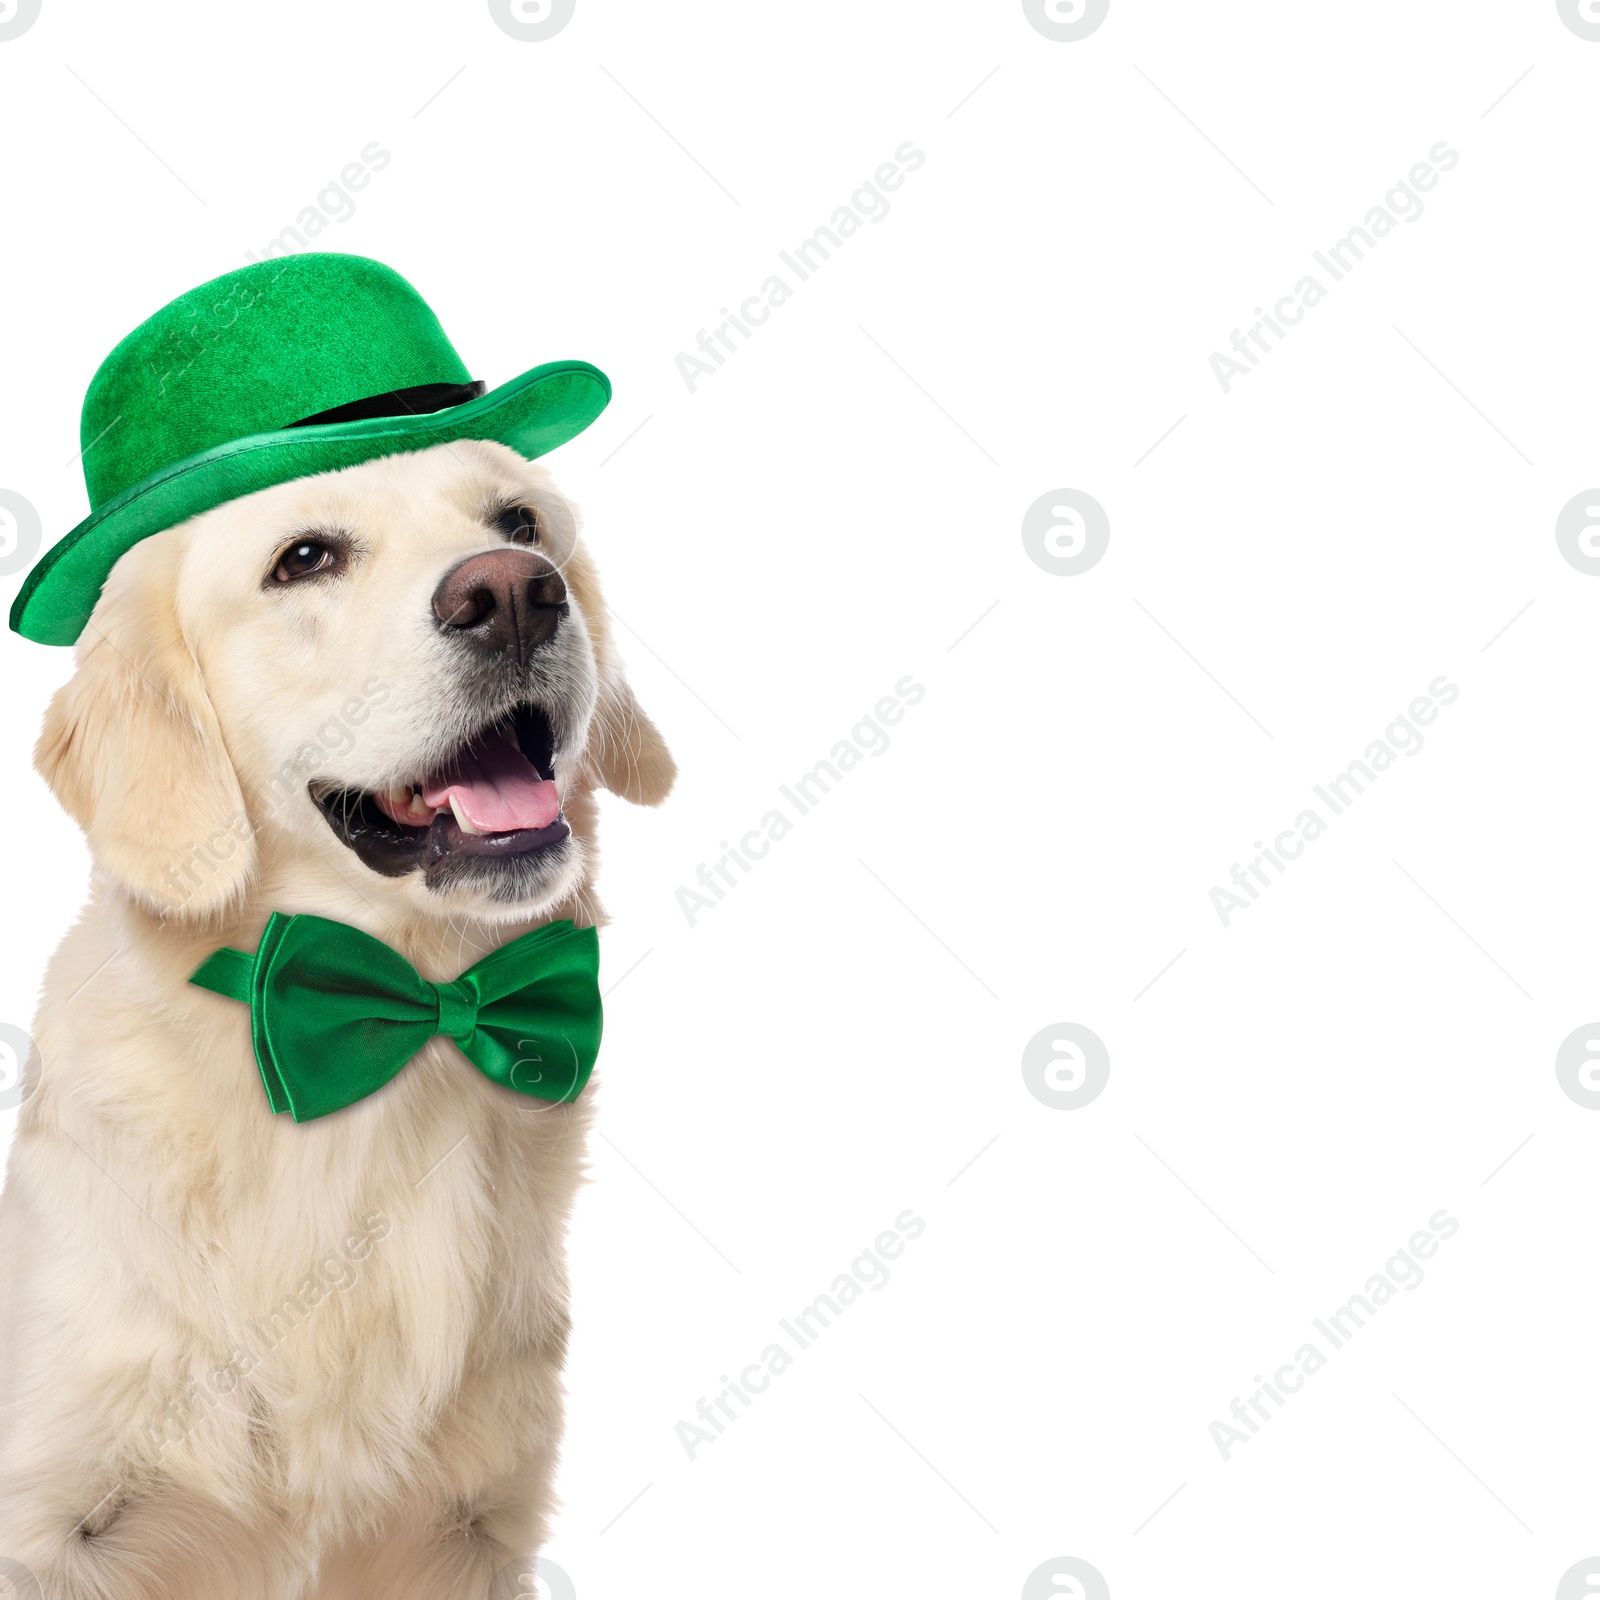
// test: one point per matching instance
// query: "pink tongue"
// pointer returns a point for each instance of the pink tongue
(497, 787)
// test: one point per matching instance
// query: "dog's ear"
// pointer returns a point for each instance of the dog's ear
(132, 749)
(626, 748)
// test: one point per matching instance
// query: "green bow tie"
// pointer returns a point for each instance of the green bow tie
(335, 1013)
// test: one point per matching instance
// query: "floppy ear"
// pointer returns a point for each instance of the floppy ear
(627, 750)
(132, 749)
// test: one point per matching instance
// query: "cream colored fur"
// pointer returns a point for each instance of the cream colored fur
(395, 1436)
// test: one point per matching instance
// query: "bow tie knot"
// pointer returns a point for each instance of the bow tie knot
(458, 1010)
(335, 1014)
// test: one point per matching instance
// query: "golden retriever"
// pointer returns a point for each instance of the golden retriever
(249, 1359)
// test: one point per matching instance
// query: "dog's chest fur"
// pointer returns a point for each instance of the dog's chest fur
(416, 1281)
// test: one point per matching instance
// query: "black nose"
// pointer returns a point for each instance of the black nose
(508, 602)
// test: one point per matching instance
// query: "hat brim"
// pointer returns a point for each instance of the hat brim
(532, 415)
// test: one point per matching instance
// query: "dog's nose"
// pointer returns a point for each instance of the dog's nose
(508, 602)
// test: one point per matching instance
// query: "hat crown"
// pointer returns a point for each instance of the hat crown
(251, 352)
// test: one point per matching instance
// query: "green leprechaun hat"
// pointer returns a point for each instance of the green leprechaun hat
(285, 368)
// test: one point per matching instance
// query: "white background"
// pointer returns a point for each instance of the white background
(841, 1037)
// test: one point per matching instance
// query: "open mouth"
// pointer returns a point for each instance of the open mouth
(493, 800)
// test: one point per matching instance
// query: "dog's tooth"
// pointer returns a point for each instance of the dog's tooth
(419, 807)
(463, 821)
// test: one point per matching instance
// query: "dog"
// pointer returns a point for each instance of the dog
(250, 1358)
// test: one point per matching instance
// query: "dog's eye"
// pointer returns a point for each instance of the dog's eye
(301, 559)
(520, 524)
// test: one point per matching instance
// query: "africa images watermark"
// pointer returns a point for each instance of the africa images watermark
(16, 17)
(334, 1273)
(1401, 738)
(21, 532)
(869, 737)
(333, 203)
(869, 1270)
(1402, 1270)
(1401, 204)
(183, 347)
(209, 326)
(868, 203)
(532, 22)
(336, 737)
(20, 1066)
